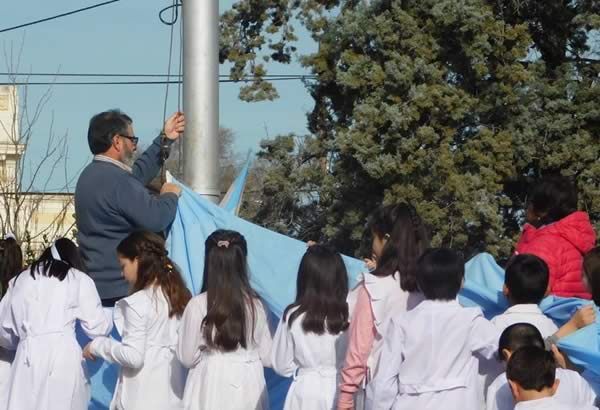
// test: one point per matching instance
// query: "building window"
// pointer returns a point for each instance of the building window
(3, 102)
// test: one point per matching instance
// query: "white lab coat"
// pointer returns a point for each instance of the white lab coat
(551, 403)
(48, 372)
(151, 377)
(526, 313)
(572, 389)
(224, 380)
(387, 300)
(429, 361)
(313, 360)
(6, 359)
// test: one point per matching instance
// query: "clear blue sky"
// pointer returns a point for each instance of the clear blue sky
(127, 37)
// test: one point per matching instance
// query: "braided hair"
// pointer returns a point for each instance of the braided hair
(155, 268)
(407, 238)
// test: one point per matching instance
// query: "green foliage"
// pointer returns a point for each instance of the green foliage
(452, 105)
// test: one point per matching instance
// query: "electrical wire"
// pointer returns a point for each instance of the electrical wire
(31, 23)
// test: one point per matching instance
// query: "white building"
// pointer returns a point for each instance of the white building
(34, 217)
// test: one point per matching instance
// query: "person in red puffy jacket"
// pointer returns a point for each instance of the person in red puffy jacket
(559, 234)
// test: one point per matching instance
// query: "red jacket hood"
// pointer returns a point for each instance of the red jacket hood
(574, 228)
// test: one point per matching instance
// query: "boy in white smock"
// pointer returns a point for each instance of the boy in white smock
(430, 354)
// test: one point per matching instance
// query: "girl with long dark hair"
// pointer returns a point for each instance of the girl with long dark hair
(310, 342)
(151, 377)
(38, 320)
(225, 338)
(399, 238)
(11, 264)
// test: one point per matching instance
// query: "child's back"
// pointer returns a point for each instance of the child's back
(431, 349)
(311, 339)
(146, 354)
(526, 282)
(429, 354)
(313, 360)
(48, 371)
(526, 313)
(224, 379)
(573, 390)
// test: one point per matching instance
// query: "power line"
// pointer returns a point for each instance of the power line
(132, 75)
(58, 16)
(141, 82)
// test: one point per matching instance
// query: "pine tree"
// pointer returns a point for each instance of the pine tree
(452, 105)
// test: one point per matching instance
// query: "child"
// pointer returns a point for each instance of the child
(573, 389)
(399, 238)
(525, 285)
(11, 261)
(43, 303)
(591, 274)
(225, 338)
(429, 353)
(148, 320)
(559, 234)
(531, 374)
(310, 342)
(11, 264)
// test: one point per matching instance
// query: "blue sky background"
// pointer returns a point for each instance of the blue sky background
(127, 37)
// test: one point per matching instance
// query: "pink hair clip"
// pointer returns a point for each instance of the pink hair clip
(223, 244)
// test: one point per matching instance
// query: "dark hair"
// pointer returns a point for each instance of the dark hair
(553, 198)
(526, 278)
(321, 292)
(532, 368)
(11, 262)
(519, 335)
(591, 270)
(407, 239)
(155, 268)
(229, 295)
(70, 258)
(440, 273)
(103, 127)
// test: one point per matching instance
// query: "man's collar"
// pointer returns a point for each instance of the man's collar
(110, 160)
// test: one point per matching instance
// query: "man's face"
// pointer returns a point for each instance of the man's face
(128, 147)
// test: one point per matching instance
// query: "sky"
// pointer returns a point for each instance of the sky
(128, 37)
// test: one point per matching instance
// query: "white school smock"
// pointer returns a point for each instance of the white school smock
(151, 377)
(6, 359)
(48, 372)
(572, 389)
(387, 300)
(224, 380)
(526, 313)
(429, 361)
(550, 403)
(312, 360)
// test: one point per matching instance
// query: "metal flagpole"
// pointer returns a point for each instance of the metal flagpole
(201, 96)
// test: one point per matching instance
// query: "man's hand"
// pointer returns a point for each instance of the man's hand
(174, 126)
(168, 187)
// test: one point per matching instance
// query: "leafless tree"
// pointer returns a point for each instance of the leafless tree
(35, 202)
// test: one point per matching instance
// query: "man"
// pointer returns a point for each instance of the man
(111, 199)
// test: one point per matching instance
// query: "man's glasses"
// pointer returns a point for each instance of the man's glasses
(130, 138)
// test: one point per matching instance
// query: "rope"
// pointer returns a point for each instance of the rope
(164, 145)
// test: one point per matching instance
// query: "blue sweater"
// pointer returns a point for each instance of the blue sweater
(110, 203)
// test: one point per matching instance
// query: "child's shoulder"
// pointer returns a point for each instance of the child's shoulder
(138, 301)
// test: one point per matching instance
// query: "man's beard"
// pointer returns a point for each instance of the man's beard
(127, 156)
